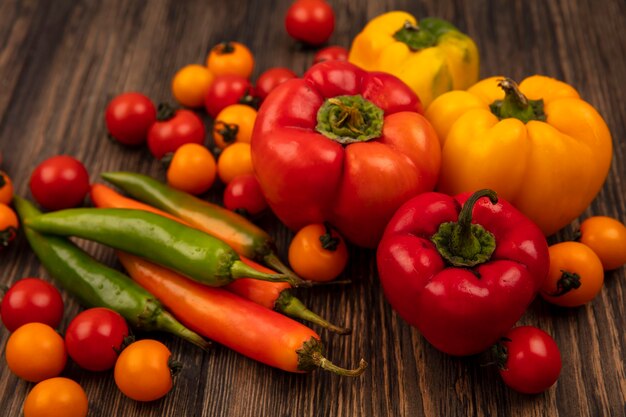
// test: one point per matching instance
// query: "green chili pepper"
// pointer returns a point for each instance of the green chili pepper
(242, 235)
(166, 242)
(97, 285)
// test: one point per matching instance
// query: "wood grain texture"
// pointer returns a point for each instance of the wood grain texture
(62, 61)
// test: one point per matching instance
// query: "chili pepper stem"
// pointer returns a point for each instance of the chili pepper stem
(272, 261)
(291, 306)
(168, 323)
(311, 356)
(241, 270)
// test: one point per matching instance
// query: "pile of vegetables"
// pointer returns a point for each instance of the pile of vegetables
(393, 145)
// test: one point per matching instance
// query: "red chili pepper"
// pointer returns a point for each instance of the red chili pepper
(239, 324)
(272, 295)
(345, 146)
(461, 269)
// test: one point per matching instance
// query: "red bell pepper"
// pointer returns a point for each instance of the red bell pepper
(344, 146)
(462, 269)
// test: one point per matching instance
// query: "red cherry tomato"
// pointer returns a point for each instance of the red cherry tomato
(31, 300)
(331, 53)
(174, 129)
(226, 90)
(533, 360)
(59, 182)
(270, 79)
(310, 21)
(243, 193)
(128, 118)
(94, 338)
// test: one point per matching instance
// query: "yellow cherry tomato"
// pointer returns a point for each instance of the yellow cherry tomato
(192, 169)
(142, 371)
(607, 237)
(6, 188)
(233, 123)
(235, 160)
(575, 276)
(318, 253)
(190, 84)
(230, 58)
(35, 352)
(56, 397)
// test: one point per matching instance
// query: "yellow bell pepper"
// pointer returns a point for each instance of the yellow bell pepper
(431, 56)
(538, 145)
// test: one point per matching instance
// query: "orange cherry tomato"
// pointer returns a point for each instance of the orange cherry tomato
(192, 169)
(233, 123)
(575, 276)
(8, 225)
(235, 160)
(56, 397)
(318, 253)
(607, 237)
(35, 352)
(142, 372)
(6, 188)
(230, 58)
(190, 84)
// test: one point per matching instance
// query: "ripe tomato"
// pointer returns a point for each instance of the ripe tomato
(128, 118)
(173, 129)
(190, 84)
(235, 160)
(310, 21)
(142, 372)
(575, 276)
(192, 169)
(226, 90)
(35, 352)
(318, 253)
(607, 237)
(532, 360)
(56, 397)
(243, 194)
(271, 79)
(8, 225)
(6, 189)
(233, 124)
(230, 58)
(331, 53)
(94, 338)
(59, 182)
(31, 300)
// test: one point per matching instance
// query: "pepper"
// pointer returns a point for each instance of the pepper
(538, 145)
(273, 295)
(461, 269)
(239, 324)
(242, 235)
(96, 285)
(189, 251)
(343, 146)
(432, 56)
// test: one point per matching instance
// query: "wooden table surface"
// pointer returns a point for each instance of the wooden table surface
(62, 61)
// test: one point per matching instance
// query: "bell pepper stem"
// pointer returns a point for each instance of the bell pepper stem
(241, 270)
(291, 306)
(311, 356)
(349, 119)
(516, 105)
(462, 243)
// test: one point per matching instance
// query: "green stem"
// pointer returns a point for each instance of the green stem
(228, 131)
(165, 112)
(327, 240)
(291, 306)
(349, 119)
(225, 48)
(166, 322)
(311, 356)
(6, 236)
(462, 243)
(239, 269)
(516, 105)
(569, 281)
